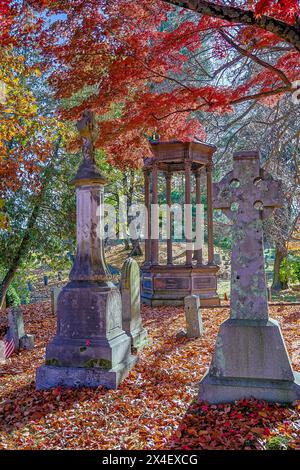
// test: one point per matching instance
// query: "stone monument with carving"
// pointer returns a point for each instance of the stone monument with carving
(90, 347)
(250, 357)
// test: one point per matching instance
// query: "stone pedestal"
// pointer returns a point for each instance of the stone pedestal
(250, 357)
(169, 285)
(90, 347)
(250, 360)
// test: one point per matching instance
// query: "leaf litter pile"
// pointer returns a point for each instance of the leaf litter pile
(155, 407)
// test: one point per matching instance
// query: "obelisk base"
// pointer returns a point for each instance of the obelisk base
(250, 360)
(75, 377)
(223, 390)
(90, 348)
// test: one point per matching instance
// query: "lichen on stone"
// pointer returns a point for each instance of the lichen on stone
(53, 362)
(101, 363)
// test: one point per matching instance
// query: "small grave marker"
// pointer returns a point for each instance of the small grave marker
(193, 317)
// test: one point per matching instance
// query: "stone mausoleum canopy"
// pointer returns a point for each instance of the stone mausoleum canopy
(169, 283)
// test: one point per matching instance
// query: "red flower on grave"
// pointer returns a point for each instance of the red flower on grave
(87, 343)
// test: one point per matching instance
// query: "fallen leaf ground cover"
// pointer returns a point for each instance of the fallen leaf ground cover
(155, 407)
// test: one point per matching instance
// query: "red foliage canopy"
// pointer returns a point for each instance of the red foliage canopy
(131, 62)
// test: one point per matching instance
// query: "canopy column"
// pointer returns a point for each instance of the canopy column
(210, 235)
(188, 214)
(147, 217)
(154, 216)
(169, 219)
(199, 229)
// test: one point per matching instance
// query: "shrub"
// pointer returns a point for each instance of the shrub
(290, 270)
(12, 297)
(278, 443)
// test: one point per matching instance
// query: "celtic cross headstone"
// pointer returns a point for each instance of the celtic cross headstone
(250, 357)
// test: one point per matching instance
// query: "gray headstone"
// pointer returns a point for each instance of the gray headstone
(2, 356)
(55, 291)
(16, 325)
(193, 317)
(131, 303)
(17, 329)
(217, 258)
(27, 342)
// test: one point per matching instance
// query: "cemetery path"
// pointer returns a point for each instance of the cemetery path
(154, 408)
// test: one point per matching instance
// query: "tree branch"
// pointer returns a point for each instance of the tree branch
(287, 32)
(256, 59)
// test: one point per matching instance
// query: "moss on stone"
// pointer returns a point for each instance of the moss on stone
(102, 363)
(53, 362)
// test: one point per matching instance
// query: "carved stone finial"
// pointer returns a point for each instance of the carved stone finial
(88, 171)
(86, 126)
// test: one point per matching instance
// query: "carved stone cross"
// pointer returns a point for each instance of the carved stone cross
(250, 358)
(87, 129)
(247, 195)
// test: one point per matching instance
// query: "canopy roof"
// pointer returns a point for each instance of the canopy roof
(171, 155)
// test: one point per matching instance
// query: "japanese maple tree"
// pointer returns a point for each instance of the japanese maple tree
(137, 63)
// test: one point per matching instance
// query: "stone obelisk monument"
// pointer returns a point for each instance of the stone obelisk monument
(250, 357)
(90, 347)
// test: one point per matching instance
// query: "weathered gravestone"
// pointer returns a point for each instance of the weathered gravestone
(55, 291)
(193, 317)
(2, 352)
(90, 347)
(250, 358)
(217, 259)
(131, 303)
(17, 330)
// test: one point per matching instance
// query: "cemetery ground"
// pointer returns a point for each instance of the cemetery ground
(155, 407)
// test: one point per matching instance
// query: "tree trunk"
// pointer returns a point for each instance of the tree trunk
(126, 244)
(280, 255)
(136, 248)
(25, 243)
(23, 249)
